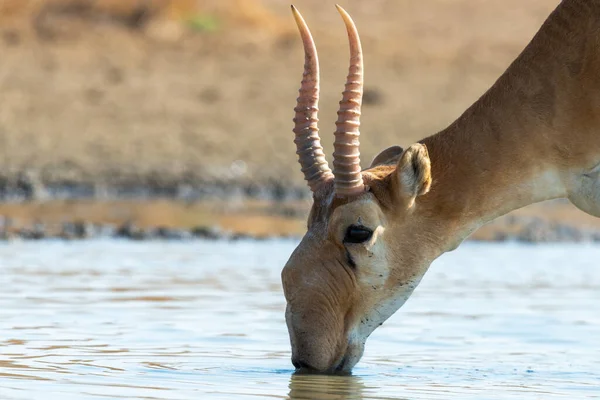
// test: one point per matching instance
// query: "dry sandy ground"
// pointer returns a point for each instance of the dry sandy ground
(165, 92)
(86, 94)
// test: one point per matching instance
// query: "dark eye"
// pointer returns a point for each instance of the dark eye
(357, 234)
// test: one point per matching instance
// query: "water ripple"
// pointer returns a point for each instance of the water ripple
(112, 319)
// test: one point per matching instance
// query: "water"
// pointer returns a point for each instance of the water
(204, 320)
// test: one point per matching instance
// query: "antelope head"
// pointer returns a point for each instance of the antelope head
(363, 252)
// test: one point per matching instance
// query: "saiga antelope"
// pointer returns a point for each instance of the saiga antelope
(372, 234)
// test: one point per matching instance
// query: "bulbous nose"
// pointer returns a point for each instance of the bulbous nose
(316, 351)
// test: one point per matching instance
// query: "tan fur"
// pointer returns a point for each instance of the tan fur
(535, 135)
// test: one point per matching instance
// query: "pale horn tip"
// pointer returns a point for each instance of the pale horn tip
(341, 10)
(345, 16)
(296, 13)
(299, 20)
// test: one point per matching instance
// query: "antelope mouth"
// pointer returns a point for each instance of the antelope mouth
(340, 369)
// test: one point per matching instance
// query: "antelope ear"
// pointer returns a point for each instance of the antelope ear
(413, 173)
(387, 156)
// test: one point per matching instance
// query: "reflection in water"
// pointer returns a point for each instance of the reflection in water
(205, 320)
(325, 387)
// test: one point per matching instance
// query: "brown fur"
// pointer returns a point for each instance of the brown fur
(533, 136)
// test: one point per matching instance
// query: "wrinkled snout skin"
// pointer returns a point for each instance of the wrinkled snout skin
(319, 296)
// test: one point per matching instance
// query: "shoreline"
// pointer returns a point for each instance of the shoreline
(239, 217)
(84, 231)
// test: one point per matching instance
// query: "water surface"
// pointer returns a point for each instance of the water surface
(204, 320)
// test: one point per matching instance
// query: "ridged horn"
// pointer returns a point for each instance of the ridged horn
(308, 144)
(346, 156)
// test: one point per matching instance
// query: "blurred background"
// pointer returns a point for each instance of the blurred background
(173, 117)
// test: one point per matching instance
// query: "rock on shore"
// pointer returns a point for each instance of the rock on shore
(526, 230)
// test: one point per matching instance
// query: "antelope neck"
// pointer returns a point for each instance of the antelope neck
(484, 166)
